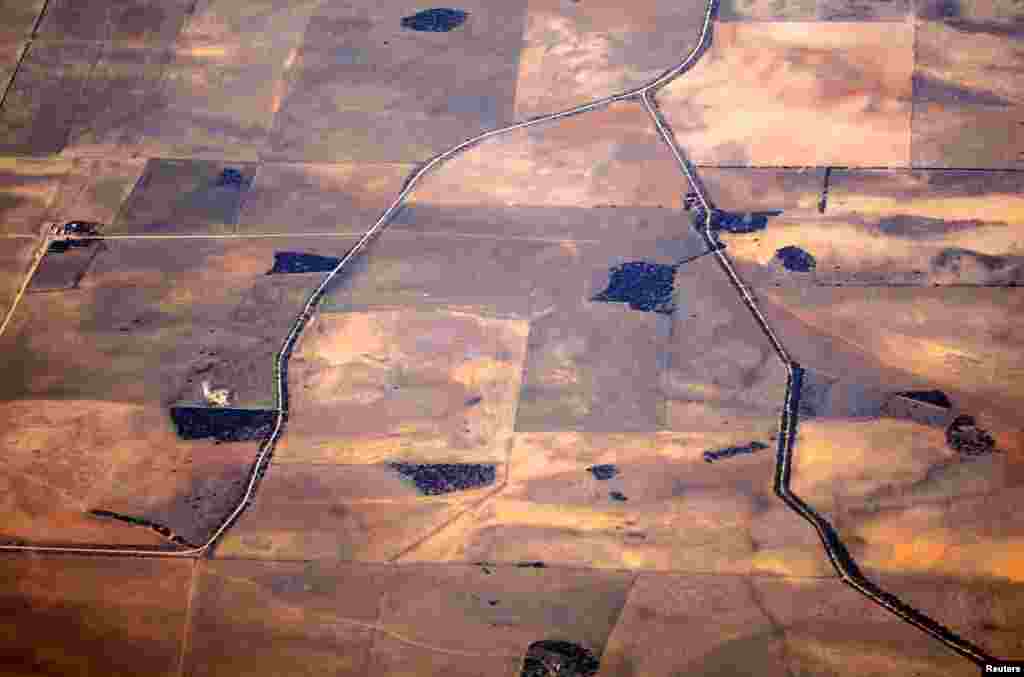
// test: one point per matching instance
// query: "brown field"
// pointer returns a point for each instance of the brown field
(316, 198)
(171, 312)
(608, 157)
(356, 77)
(66, 457)
(713, 625)
(679, 513)
(27, 189)
(82, 616)
(95, 189)
(575, 52)
(16, 255)
(798, 94)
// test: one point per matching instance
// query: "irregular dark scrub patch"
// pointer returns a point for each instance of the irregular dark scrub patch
(531, 565)
(297, 262)
(617, 496)
(964, 435)
(222, 424)
(232, 178)
(644, 286)
(935, 397)
(605, 471)
(140, 522)
(728, 452)
(81, 228)
(61, 246)
(742, 222)
(548, 658)
(795, 259)
(443, 478)
(436, 20)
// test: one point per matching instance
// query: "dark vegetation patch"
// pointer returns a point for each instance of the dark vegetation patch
(436, 20)
(531, 565)
(222, 424)
(556, 658)
(232, 178)
(815, 395)
(140, 522)
(297, 262)
(965, 436)
(81, 228)
(433, 479)
(473, 401)
(644, 286)
(730, 222)
(742, 222)
(61, 246)
(934, 397)
(728, 452)
(617, 496)
(605, 471)
(795, 259)
(823, 202)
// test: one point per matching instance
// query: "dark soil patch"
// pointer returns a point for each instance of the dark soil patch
(551, 658)
(964, 435)
(224, 425)
(795, 259)
(436, 20)
(297, 262)
(728, 452)
(604, 472)
(644, 286)
(617, 496)
(433, 479)
(934, 397)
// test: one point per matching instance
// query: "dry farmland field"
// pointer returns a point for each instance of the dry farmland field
(513, 338)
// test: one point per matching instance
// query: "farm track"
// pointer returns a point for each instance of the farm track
(838, 555)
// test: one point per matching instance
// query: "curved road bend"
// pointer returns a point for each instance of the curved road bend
(837, 553)
(843, 563)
